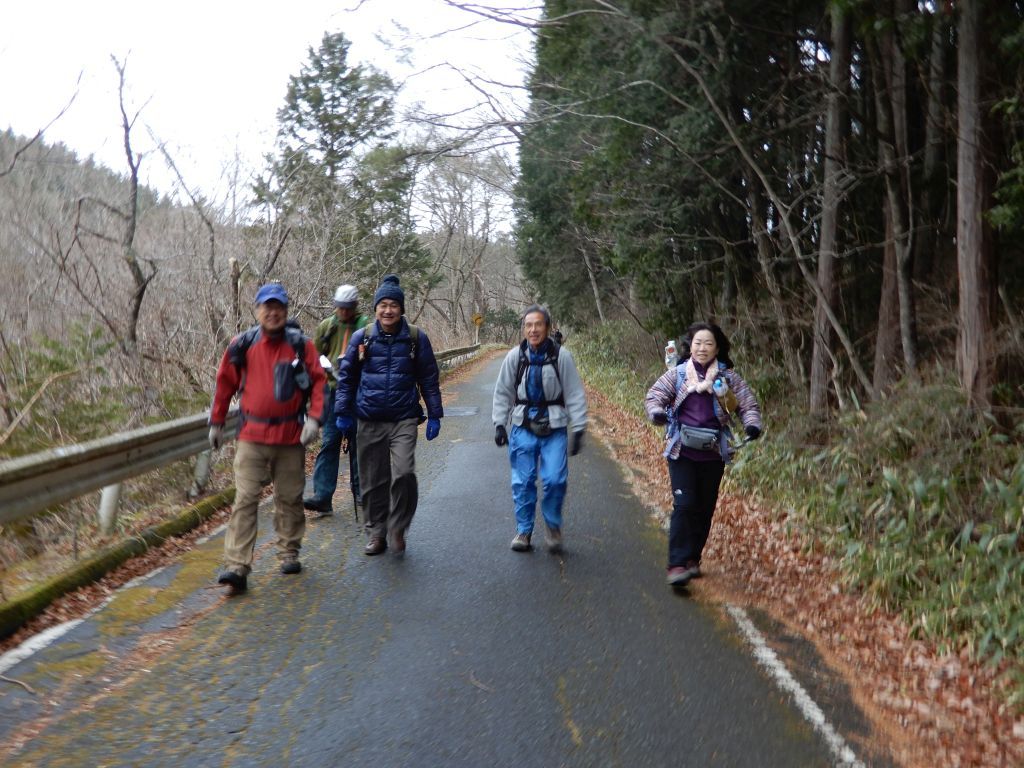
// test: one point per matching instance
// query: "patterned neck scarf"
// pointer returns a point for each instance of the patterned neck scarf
(694, 381)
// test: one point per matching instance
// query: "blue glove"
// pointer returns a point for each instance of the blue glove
(433, 428)
(344, 424)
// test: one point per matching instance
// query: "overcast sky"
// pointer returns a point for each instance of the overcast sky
(210, 75)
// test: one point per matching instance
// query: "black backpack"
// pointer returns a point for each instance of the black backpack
(239, 347)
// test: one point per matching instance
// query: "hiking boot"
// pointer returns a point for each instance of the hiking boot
(322, 508)
(236, 582)
(679, 576)
(376, 545)
(290, 564)
(521, 543)
(554, 540)
(398, 542)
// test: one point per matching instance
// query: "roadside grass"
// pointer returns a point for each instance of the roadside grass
(920, 499)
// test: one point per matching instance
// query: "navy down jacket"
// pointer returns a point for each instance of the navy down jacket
(386, 385)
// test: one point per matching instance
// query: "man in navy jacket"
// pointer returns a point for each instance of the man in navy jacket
(386, 368)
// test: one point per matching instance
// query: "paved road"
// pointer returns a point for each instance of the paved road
(463, 653)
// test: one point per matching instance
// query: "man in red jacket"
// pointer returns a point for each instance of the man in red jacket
(277, 372)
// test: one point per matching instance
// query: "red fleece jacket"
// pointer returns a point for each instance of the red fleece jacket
(257, 397)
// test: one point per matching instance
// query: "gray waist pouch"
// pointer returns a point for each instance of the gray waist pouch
(699, 438)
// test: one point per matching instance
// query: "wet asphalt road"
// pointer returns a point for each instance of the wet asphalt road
(462, 653)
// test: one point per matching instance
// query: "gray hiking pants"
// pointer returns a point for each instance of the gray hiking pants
(387, 474)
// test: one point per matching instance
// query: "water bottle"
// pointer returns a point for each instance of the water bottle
(724, 394)
(671, 356)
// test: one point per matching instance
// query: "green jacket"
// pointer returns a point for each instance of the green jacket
(331, 339)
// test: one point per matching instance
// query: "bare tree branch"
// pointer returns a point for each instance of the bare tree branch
(24, 148)
(32, 401)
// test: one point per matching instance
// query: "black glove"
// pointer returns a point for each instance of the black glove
(752, 432)
(577, 442)
(500, 435)
(659, 417)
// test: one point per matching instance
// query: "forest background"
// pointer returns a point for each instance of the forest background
(840, 185)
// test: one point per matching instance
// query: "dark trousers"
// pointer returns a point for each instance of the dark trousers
(694, 495)
(325, 470)
(387, 467)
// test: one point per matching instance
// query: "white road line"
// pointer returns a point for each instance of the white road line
(36, 643)
(49, 636)
(766, 657)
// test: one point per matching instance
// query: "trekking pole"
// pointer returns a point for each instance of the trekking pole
(355, 501)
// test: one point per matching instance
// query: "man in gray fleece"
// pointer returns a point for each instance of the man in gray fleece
(540, 392)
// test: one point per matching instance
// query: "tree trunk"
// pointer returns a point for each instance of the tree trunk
(141, 280)
(890, 101)
(765, 255)
(886, 337)
(932, 193)
(236, 280)
(727, 297)
(835, 155)
(593, 285)
(975, 253)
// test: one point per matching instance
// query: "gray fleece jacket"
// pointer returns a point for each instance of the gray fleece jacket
(573, 414)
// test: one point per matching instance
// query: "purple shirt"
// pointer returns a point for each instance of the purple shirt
(698, 410)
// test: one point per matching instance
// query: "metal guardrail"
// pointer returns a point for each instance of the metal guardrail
(450, 354)
(30, 484)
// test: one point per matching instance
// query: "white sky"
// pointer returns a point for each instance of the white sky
(210, 75)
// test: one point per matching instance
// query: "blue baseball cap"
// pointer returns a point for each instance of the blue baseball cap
(272, 292)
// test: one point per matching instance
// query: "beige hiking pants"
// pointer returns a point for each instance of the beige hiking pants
(288, 473)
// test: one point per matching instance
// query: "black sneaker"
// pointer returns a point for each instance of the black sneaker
(290, 565)
(236, 582)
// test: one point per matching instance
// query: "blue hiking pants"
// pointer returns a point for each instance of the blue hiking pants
(525, 452)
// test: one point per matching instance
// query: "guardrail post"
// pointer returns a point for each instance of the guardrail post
(110, 499)
(201, 476)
